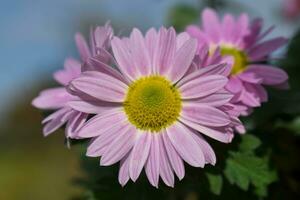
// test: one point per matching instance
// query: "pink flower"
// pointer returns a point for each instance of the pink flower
(153, 112)
(57, 99)
(242, 41)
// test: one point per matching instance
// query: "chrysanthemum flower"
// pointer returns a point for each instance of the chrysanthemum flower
(242, 41)
(58, 98)
(154, 113)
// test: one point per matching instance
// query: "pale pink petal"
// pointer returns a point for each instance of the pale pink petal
(72, 69)
(269, 75)
(164, 51)
(265, 48)
(182, 60)
(215, 133)
(174, 158)
(234, 85)
(124, 170)
(202, 86)
(122, 55)
(52, 98)
(151, 41)
(139, 154)
(152, 165)
(181, 39)
(75, 123)
(99, 144)
(82, 47)
(209, 154)
(250, 77)
(118, 148)
(218, 98)
(56, 120)
(101, 123)
(211, 24)
(92, 107)
(100, 86)
(249, 96)
(165, 169)
(204, 114)
(140, 55)
(185, 145)
(217, 69)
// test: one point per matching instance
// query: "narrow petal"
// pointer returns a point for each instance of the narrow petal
(53, 98)
(209, 154)
(215, 133)
(265, 48)
(269, 75)
(139, 154)
(140, 53)
(217, 69)
(82, 47)
(99, 144)
(204, 114)
(202, 86)
(211, 24)
(72, 69)
(234, 85)
(100, 86)
(182, 60)
(91, 107)
(216, 99)
(250, 77)
(101, 123)
(123, 58)
(124, 170)
(185, 145)
(152, 165)
(174, 158)
(165, 169)
(121, 145)
(75, 123)
(56, 120)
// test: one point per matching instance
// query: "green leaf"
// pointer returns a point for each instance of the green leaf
(215, 183)
(244, 167)
(249, 143)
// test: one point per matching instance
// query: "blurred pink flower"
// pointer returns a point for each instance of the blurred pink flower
(291, 8)
(242, 41)
(57, 99)
(153, 110)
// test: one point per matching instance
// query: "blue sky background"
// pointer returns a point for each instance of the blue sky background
(36, 35)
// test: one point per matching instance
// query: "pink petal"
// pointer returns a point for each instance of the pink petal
(202, 86)
(100, 86)
(82, 47)
(234, 85)
(249, 96)
(216, 99)
(164, 51)
(209, 154)
(121, 53)
(152, 165)
(269, 75)
(102, 123)
(265, 48)
(215, 133)
(53, 98)
(75, 123)
(250, 77)
(72, 69)
(99, 144)
(139, 53)
(204, 114)
(91, 107)
(174, 158)
(165, 169)
(185, 145)
(124, 170)
(211, 24)
(139, 154)
(217, 69)
(121, 145)
(182, 60)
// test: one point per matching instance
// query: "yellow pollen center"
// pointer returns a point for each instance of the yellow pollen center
(240, 58)
(152, 103)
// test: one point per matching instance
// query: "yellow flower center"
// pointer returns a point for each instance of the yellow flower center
(152, 103)
(240, 58)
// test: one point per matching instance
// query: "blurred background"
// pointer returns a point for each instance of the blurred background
(35, 38)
